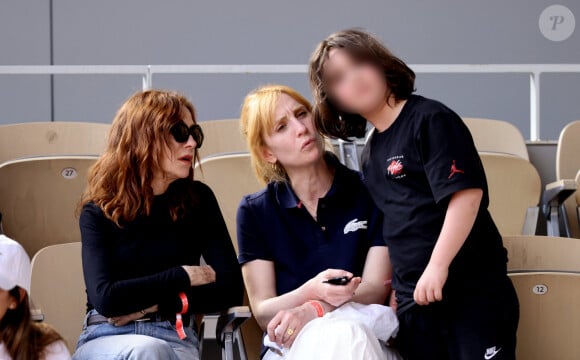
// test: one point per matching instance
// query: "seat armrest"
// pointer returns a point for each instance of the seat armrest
(558, 191)
(553, 208)
(230, 320)
(36, 315)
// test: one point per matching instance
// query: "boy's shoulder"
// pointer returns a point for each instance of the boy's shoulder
(423, 114)
(429, 108)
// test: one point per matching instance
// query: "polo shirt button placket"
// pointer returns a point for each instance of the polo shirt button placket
(322, 206)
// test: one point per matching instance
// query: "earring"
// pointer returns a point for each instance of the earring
(12, 306)
(276, 166)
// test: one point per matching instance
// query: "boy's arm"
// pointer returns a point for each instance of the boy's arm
(459, 218)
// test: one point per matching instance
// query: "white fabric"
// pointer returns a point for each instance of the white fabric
(3, 353)
(351, 332)
(14, 265)
(382, 320)
(55, 351)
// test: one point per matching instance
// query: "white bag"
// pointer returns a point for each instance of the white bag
(351, 332)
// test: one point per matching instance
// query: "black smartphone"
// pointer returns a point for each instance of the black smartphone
(340, 280)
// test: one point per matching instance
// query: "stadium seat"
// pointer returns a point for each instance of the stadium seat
(559, 204)
(545, 272)
(39, 197)
(230, 176)
(57, 289)
(496, 136)
(567, 156)
(549, 315)
(577, 199)
(51, 138)
(221, 136)
(514, 193)
(542, 253)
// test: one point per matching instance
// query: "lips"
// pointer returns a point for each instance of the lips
(306, 144)
(186, 158)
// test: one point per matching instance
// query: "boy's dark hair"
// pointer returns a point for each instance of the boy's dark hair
(363, 47)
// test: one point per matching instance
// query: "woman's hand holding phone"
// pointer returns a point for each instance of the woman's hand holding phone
(333, 286)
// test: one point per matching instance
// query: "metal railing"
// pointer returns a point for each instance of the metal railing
(147, 72)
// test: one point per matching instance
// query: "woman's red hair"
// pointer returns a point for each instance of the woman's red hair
(120, 181)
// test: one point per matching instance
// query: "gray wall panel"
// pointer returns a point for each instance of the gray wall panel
(221, 96)
(24, 40)
(560, 102)
(93, 98)
(277, 32)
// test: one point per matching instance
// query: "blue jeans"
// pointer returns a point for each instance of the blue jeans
(135, 341)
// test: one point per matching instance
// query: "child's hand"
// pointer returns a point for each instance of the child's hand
(430, 285)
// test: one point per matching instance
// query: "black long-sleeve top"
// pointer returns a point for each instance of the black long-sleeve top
(139, 264)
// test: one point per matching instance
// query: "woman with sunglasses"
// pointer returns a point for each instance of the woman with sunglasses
(145, 223)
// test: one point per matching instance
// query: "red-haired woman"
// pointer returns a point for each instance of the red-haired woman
(145, 223)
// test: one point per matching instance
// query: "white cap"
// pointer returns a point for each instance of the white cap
(14, 265)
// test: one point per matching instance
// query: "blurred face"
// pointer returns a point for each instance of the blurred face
(293, 141)
(177, 157)
(7, 302)
(356, 87)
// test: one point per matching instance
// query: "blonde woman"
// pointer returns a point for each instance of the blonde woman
(311, 241)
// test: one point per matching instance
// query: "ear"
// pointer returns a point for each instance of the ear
(22, 294)
(268, 155)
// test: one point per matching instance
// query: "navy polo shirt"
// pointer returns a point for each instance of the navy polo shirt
(272, 225)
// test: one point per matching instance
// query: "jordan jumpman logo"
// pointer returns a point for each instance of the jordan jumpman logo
(455, 170)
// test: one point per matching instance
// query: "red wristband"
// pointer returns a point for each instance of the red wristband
(178, 319)
(184, 303)
(318, 307)
(179, 327)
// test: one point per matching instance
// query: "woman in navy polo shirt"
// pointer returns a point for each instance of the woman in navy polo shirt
(314, 221)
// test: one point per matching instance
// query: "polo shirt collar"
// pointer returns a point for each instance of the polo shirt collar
(342, 181)
(285, 195)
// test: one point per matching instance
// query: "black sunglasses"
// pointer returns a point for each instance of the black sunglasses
(181, 132)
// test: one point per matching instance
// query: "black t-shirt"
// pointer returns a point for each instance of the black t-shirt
(133, 267)
(411, 170)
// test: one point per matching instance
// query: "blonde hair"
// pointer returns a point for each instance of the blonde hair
(257, 120)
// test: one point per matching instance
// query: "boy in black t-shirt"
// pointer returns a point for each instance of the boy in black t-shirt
(454, 298)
